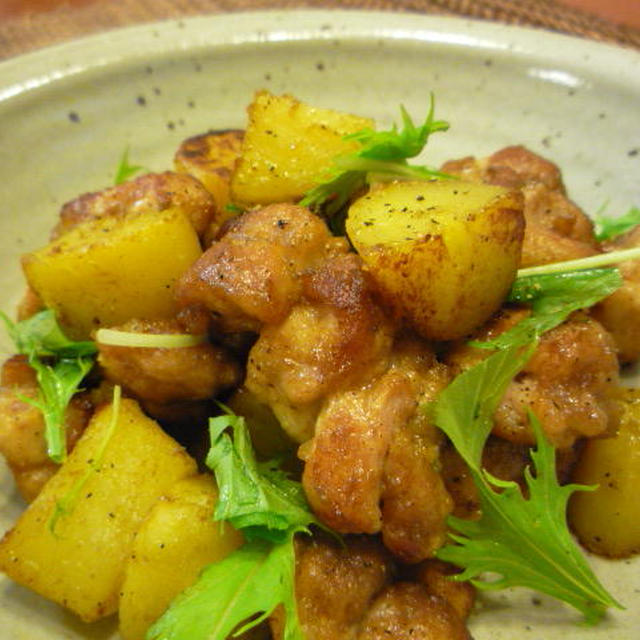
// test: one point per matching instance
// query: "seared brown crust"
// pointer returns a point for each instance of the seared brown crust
(150, 192)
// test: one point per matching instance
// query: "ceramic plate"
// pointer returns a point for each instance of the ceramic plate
(67, 114)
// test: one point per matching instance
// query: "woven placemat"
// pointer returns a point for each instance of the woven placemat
(27, 33)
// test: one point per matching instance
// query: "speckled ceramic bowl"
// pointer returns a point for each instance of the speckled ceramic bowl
(67, 114)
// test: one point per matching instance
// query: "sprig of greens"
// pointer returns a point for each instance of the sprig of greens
(383, 153)
(125, 171)
(60, 364)
(607, 228)
(524, 541)
(553, 297)
(556, 290)
(236, 594)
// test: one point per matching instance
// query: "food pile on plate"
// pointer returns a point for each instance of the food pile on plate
(299, 387)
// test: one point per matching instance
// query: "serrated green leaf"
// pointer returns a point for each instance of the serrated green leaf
(247, 585)
(464, 410)
(383, 153)
(553, 297)
(258, 498)
(525, 541)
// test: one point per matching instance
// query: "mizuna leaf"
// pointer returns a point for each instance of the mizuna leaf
(525, 541)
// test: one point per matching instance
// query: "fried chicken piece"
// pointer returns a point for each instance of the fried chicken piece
(333, 338)
(619, 313)
(165, 376)
(372, 465)
(251, 276)
(414, 500)
(436, 576)
(570, 383)
(406, 611)
(556, 229)
(335, 586)
(346, 592)
(344, 470)
(22, 441)
(150, 192)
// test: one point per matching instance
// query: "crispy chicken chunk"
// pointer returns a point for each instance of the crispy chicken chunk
(333, 338)
(405, 611)
(22, 427)
(165, 376)
(348, 593)
(372, 465)
(252, 275)
(570, 382)
(150, 192)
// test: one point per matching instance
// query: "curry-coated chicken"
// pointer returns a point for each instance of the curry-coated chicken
(22, 427)
(327, 365)
(149, 192)
(352, 591)
(570, 382)
(251, 276)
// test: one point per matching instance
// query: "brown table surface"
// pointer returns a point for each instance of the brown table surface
(26, 25)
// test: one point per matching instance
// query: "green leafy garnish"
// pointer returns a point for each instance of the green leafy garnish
(607, 228)
(383, 153)
(60, 365)
(239, 592)
(523, 541)
(126, 170)
(464, 410)
(553, 297)
(256, 497)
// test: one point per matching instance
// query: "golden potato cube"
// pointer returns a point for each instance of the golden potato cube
(106, 271)
(443, 254)
(119, 468)
(287, 147)
(176, 541)
(607, 520)
(211, 158)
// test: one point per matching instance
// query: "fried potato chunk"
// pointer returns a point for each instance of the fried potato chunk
(620, 312)
(607, 520)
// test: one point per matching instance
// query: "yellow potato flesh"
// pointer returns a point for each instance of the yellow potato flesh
(114, 478)
(287, 146)
(607, 520)
(443, 254)
(106, 271)
(176, 541)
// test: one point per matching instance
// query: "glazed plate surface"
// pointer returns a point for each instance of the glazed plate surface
(68, 113)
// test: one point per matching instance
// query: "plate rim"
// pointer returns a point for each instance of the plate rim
(123, 45)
